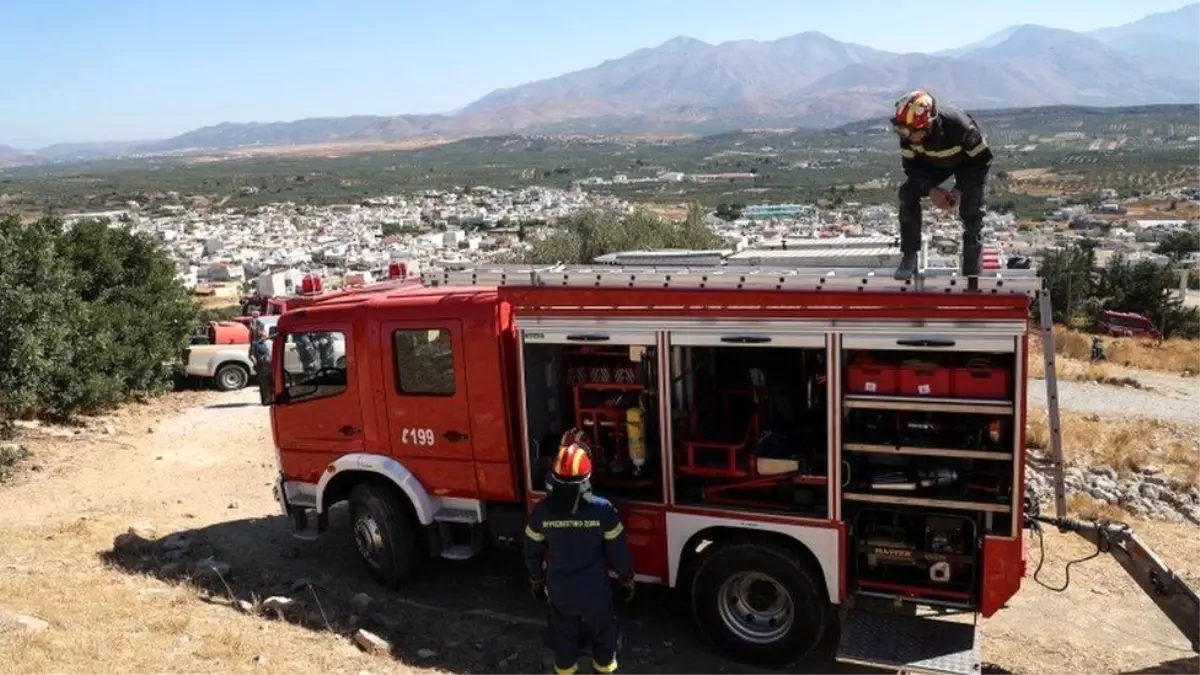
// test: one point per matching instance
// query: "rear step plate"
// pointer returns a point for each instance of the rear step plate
(907, 643)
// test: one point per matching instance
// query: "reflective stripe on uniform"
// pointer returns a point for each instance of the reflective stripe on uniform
(610, 668)
(615, 532)
(567, 671)
(948, 152)
(905, 152)
(977, 149)
(536, 536)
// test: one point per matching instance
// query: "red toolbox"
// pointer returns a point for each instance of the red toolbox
(980, 378)
(921, 378)
(865, 375)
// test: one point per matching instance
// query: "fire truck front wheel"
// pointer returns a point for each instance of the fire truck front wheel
(383, 533)
(760, 602)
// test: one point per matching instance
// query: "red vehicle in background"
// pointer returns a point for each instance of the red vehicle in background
(1126, 324)
(780, 444)
(312, 289)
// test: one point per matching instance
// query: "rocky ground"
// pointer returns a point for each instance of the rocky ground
(148, 541)
(1170, 400)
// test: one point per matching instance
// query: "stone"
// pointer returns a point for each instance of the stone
(126, 542)
(175, 542)
(361, 602)
(24, 622)
(426, 653)
(245, 606)
(1105, 471)
(370, 642)
(212, 567)
(280, 605)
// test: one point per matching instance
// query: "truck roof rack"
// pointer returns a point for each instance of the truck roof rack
(728, 277)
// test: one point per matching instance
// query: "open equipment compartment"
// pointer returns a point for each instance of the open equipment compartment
(600, 386)
(929, 432)
(749, 415)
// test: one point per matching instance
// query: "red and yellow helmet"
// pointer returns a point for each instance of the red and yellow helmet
(915, 111)
(573, 463)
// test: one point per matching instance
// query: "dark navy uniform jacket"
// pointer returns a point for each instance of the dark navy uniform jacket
(578, 548)
(955, 143)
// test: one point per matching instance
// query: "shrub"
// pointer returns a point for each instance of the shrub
(89, 315)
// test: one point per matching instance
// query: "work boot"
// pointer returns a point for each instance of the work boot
(907, 268)
(971, 260)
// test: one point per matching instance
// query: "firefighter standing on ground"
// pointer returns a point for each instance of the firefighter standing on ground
(937, 142)
(582, 534)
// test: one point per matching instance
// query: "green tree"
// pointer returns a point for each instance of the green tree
(88, 317)
(1179, 243)
(585, 236)
(1070, 277)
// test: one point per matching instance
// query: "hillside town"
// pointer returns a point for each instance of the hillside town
(228, 253)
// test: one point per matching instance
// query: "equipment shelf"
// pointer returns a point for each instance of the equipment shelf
(990, 507)
(927, 452)
(920, 403)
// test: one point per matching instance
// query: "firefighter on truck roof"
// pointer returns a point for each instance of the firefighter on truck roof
(937, 142)
(578, 534)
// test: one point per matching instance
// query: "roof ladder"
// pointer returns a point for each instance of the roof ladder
(725, 277)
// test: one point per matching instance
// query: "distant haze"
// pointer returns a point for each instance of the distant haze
(681, 85)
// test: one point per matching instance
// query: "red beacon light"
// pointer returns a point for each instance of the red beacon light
(397, 270)
(311, 285)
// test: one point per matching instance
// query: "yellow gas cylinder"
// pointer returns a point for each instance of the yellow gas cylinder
(636, 433)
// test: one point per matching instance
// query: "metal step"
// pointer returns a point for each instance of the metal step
(447, 514)
(908, 643)
(457, 552)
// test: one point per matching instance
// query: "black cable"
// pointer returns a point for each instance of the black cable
(1102, 545)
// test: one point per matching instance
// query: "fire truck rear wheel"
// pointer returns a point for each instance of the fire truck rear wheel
(761, 602)
(231, 377)
(383, 533)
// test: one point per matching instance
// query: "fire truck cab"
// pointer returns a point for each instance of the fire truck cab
(785, 446)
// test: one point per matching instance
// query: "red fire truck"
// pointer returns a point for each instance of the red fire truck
(781, 444)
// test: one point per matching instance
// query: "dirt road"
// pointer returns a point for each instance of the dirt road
(1166, 397)
(202, 464)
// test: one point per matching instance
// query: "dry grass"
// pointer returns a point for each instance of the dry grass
(1084, 371)
(1088, 508)
(1127, 444)
(102, 617)
(1074, 349)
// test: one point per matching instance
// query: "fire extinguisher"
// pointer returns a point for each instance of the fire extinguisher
(636, 433)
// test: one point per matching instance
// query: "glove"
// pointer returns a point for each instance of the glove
(628, 589)
(942, 199)
(537, 588)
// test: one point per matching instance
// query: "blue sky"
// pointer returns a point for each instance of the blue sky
(95, 70)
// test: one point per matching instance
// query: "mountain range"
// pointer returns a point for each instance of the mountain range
(805, 80)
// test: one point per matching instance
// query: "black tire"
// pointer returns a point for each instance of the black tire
(383, 534)
(231, 377)
(777, 645)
